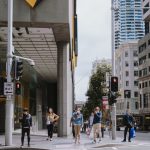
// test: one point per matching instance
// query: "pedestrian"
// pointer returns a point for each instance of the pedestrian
(91, 121)
(51, 118)
(72, 125)
(78, 123)
(97, 124)
(128, 122)
(26, 122)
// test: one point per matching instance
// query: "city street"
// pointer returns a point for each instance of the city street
(40, 142)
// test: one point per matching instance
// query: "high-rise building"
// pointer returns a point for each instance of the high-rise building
(127, 23)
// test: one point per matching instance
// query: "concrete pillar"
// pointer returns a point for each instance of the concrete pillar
(39, 108)
(64, 89)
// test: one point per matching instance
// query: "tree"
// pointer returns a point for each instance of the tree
(96, 86)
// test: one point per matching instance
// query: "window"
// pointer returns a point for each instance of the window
(149, 68)
(146, 84)
(140, 86)
(135, 83)
(144, 71)
(136, 94)
(127, 83)
(126, 64)
(135, 53)
(127, 73)
(140, 73)
(143, 85)
(149, 39)
(136, 105)
(135, 63)
(145, 100)
(135, 73)
(126, 54)
(140, 101)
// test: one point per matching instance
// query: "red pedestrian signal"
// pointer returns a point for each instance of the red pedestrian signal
(18, 88)
(114, 84)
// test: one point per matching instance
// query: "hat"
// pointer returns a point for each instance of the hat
(25, 109)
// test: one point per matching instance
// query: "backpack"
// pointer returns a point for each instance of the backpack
(26, 121)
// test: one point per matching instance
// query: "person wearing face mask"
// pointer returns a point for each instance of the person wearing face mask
(26, 122)
(97, 124)
(51, 118)
(78, 123)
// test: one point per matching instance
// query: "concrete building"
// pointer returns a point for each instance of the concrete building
(127, 23)
(144, 63)
(126, 68)
(46, 33)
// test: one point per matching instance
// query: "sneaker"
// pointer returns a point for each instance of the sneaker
(51, 139)
(28, 145)
(129, 140)
(47, 139)
(94, 142)
(124, 141)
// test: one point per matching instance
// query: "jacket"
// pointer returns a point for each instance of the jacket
(97, 118)
(77, 119)
(26, 121)
(128, 119)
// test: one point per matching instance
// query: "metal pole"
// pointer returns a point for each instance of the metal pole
(113, 117)
(9, 99)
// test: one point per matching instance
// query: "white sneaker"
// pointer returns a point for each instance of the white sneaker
(51, 139)
(94, 142)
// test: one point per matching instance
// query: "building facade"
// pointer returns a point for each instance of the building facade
(46, 33)
(127, 23)
(144, 63)
(126, 62)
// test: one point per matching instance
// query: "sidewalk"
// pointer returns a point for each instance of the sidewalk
(66, 143)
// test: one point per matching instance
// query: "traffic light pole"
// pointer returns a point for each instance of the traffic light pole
(9, 99)
(113, 119)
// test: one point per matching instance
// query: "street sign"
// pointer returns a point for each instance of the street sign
(105, 102)
(8, 88)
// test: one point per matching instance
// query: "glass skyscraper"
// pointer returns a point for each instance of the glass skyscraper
(127, 21)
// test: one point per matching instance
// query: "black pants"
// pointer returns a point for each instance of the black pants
(50, 129)
(127, 128)
(25, 130)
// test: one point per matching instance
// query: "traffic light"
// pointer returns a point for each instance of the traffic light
(114, 84)
(18, 69)
(18, 88)
(112, 98)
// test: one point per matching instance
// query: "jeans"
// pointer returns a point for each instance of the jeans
(128, 127)
(50, 128)
(25, 130)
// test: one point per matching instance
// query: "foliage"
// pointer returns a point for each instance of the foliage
(96, 86)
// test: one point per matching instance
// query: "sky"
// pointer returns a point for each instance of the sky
(94, 40)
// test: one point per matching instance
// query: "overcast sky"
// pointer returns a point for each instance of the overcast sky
(94, 39)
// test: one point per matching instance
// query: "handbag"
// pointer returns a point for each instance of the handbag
(132, 132)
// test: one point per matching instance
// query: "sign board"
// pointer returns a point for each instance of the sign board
(8, 88)
(105, 102)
